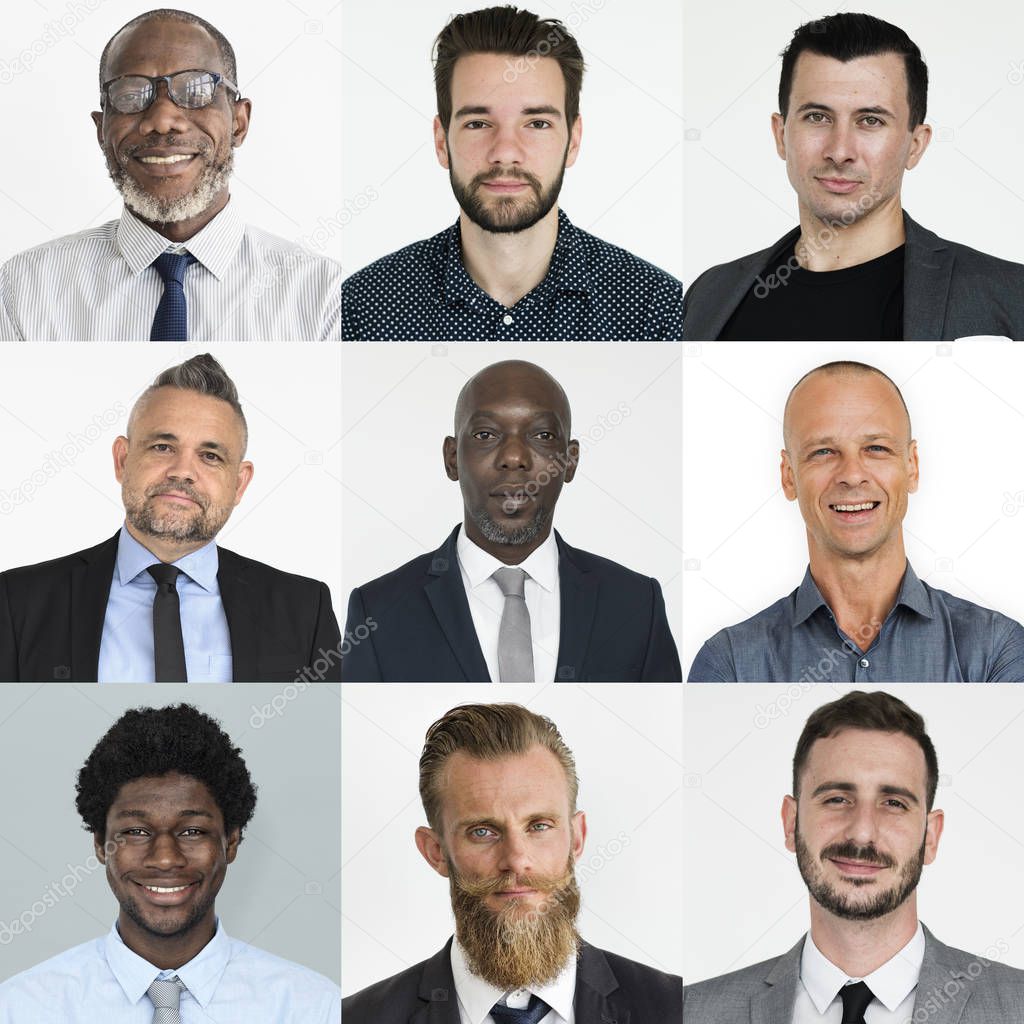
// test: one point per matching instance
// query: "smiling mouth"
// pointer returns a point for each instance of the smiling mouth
(162, 889)
(175, 158)
(862, 506)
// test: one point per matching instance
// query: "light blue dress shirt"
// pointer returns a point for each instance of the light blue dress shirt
(126, 645)
(228, 982)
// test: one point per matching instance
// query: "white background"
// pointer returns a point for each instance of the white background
(967, 187)
(744, 898)
(398, 402)
(627, 741)
(626, 185)
(289, 516)
(282, 893)
(287, 177)
(746, 545)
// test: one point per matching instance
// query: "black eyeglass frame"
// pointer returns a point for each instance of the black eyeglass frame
(217, 77)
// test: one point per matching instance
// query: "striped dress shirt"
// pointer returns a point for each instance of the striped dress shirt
(100, 285)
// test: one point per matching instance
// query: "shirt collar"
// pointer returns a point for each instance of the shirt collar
(568, 271)
(133, 559)
(215, 245)
(912, 594)
(541, 565)
(891, 983)
(478, 996)
(200, 975)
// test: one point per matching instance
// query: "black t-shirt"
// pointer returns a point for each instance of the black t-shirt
(789, 303)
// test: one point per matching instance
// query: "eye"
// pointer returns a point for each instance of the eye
(815, 117)
(821, 451)
(484, 435)
(475, 124)
(897, 803)
(836, 799)
(541, 826)
(213, 457)
(872, 122)
(195, 832)
(545, 435)
(877, 448)
(481, 832)
(160, 447)
(539, 124)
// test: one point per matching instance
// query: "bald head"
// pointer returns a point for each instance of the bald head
(804, 392)
(513, 377)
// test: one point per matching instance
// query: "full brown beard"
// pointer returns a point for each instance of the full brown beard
(517, 946)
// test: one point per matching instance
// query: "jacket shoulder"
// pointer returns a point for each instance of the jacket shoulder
(406, 577)
(631, 974)
(587, 561)
(54, 568)
(728, 989)
(392, 999)
(269, 575)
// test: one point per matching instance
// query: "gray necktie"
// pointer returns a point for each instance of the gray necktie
(515, 644)
(165, 996)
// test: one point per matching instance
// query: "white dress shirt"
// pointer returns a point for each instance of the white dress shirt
(894, 985)
(99, 285)
(476, 996)
(487, 602)
(228, 982)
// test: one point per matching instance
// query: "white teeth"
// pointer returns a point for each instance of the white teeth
(156, 888)
(863, 506)
(176, 159)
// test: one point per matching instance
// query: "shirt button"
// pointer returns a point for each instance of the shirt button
(506, 319)
(864, 663)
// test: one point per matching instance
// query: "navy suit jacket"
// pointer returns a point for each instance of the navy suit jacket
(51, 619)
(609, 990)
(414, 625)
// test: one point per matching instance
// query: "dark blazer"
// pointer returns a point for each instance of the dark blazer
(51, 620)
(609, 990)
(414, 625)
(953, 988)
(949, 290)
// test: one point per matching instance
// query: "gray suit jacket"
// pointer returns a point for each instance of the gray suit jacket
(954, 988)
(949, 290)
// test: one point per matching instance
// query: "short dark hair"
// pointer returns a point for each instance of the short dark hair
(506, 30)
(149, 742)
(859, 710)
(204, 375)
(227, 53)
(847, 37)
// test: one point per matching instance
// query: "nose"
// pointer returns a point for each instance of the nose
(165, 853)
(840, 144)
(514, 453)
(863, 829)
(506, 147)
(514, 857)
(851, 471)
(163, 116)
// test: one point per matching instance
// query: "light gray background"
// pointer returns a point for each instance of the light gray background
(398, 402)
(282, 894)
(744, 898)
(627, 741)
(966, 187)
(746, 545)
(626, 185)
(287, 172)
(290, 515)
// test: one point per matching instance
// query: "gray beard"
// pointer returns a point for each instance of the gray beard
(211, 183)
(524, 534)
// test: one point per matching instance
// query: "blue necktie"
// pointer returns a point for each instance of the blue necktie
(533, 1014)
(171, 320)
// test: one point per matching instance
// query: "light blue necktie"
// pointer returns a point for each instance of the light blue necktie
(171, 320)
(165, 996)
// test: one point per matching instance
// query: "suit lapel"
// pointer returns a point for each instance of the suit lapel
(775, 1004)
(928, 270)
(578, 602)
(943, 987)
(234, 596)
(437, 990)
(598, 999)
(90, 591)
(447, 596)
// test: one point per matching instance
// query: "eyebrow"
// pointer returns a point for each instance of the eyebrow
(529, 111)
(849, 787)
(477, 822)
(166, 436)
(831, 110)
(144, 815)
(819, 442)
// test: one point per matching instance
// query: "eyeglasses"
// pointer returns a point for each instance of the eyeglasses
(192, 90)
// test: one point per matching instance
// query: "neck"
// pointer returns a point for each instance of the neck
(860, 591)
(166, 549)
(510, 554)
(860, 947)
(183, 230)
(509, 265)
(827, 245)
(167, 952)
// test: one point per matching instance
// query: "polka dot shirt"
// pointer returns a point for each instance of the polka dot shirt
(593, 291)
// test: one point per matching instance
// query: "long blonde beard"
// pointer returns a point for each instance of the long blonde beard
(517, 946)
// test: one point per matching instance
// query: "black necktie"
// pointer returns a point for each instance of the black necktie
(855, 1001)
(168, 647)
(533, 1014)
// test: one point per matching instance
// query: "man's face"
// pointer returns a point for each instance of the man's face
(846, 140)
(861, 829)
(136, 145)
(512, 455)
(508, 845)
(508, 143)
(166, 833)
(849, 463)
(181, 472)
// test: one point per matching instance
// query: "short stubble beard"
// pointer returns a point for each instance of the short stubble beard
(518, 535)
(202, 525)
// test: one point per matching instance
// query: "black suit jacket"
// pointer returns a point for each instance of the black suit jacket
(51, 620)
(414, 625)
(609, 990)
(949, 290)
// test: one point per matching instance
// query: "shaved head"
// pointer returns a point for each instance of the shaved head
(840, 368)
(507, 377)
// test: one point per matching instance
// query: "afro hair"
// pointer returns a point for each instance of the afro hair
(150, 742)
